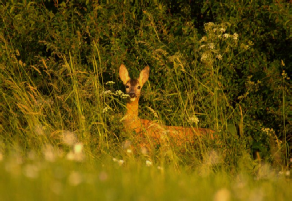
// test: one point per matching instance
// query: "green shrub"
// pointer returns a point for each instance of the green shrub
(225, 63)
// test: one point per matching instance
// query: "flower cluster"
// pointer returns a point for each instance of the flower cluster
(271, 133)
(218, 42)
(121, 94)
(107, 92)
(194, 119)
(76, 153)
(105, 109)
(268, 131)
(110, 82)
(116, 93)
(120, 162)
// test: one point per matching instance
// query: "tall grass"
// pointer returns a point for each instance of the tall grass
(57, 177)
(61, 109)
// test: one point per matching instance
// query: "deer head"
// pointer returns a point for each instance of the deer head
(133, 86)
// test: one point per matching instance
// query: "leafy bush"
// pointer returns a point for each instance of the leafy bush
(226, 63)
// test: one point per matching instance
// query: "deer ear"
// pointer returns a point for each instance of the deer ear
(144, 75)
(124, 74)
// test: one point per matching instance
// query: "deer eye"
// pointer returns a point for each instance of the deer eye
(138, 87)
(127, 86)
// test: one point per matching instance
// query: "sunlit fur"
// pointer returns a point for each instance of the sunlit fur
(149, 133)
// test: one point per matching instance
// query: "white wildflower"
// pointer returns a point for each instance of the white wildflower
(129, 151)
(266, 171)
(125, 95)
(148, 163)
(121, 162)
(219, 57)
(222, 30)
(235, 36)
(119, 92)
(212, 158)
(204, 38)
(107, 92)
(110, 82)
(204, 57)
(194, 119)
(226, 35)
(77, 153)
(144, 151)
(78, 148)
(39, 129)
(211, 46)
(268, 131)
(70, 156)
(209, 25)
(105, 109)
(49, 153)
(69, 138)
(126, 144)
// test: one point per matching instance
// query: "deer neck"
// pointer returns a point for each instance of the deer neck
(132, 109)
(131, 120)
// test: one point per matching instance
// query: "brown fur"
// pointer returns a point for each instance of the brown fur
(150, 133)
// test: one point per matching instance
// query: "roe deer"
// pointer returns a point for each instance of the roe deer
(149, 132)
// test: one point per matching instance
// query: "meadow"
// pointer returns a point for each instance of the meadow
(220, 65)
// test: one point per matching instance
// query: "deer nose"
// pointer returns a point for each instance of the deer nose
(132, 95)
